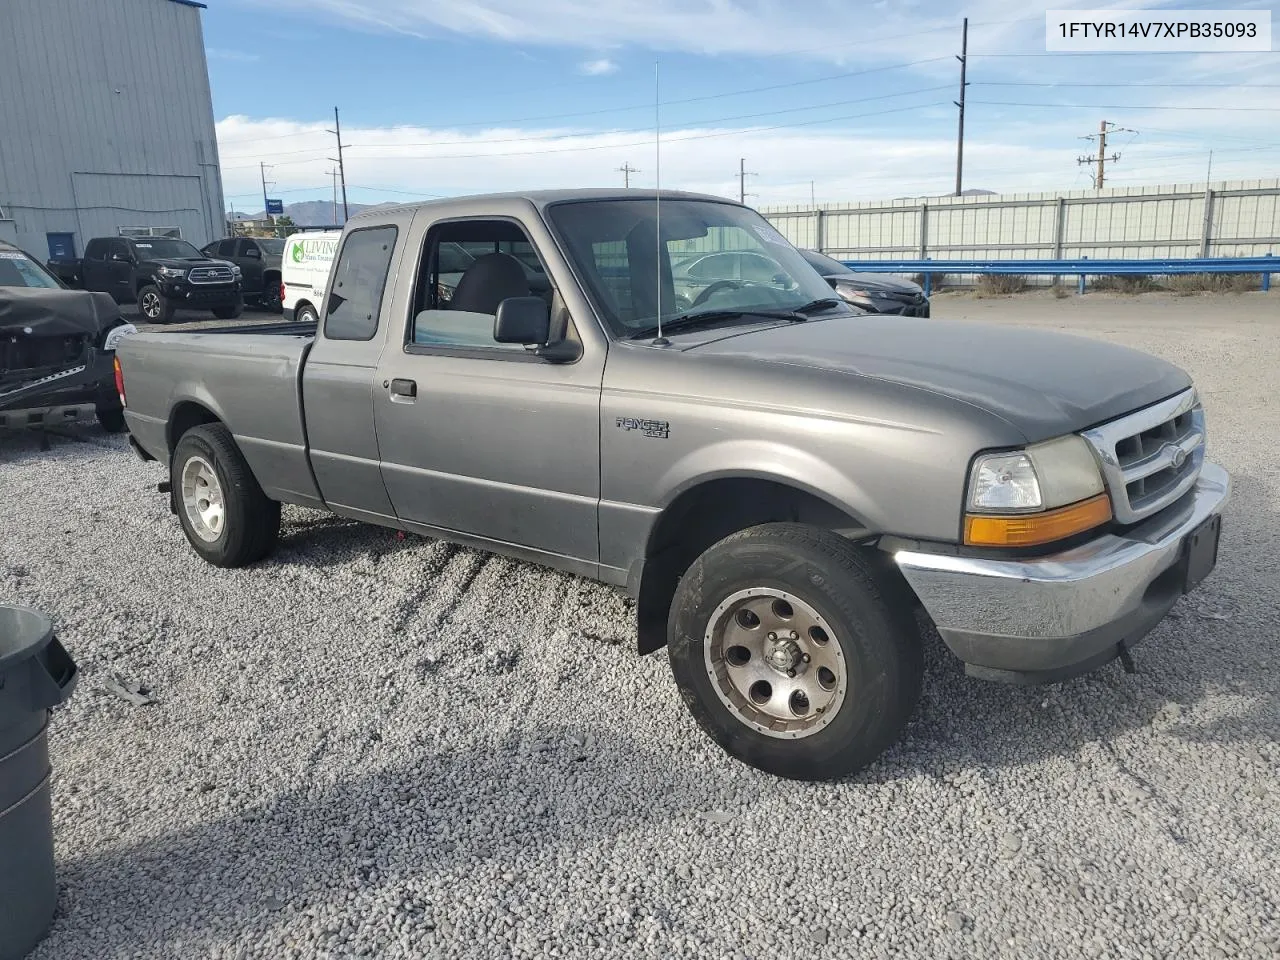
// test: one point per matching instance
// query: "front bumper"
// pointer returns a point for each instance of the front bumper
(71, 395)
(1048, 618)
(187, 295)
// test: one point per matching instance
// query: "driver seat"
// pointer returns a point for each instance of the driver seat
(487, 282)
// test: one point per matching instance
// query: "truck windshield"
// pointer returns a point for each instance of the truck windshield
(714, 257)
(19, 270)
(271, 247)
(152, 248)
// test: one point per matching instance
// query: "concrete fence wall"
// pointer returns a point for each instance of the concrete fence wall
(1226, 219)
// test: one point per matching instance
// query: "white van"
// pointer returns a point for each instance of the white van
(304, 271)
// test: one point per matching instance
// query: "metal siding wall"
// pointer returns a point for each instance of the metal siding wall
(62, 119)
(1137, 222)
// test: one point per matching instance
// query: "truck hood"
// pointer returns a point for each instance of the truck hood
(1043, 383)
(186, 263)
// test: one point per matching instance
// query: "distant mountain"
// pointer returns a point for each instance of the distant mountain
(313, 213)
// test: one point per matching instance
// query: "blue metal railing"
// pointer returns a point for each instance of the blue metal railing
(1082, 267)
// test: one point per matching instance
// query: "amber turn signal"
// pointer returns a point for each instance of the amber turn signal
(1032, 529)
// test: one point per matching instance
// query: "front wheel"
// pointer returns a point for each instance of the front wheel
(223, 511)
(154, 306)
(793, 652)
(306, 314)
(111, 419)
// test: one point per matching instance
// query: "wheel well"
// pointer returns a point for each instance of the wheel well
(141, 282)
(706, 514)
(185, 416)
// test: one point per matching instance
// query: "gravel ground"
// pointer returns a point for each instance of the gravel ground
(370, 746)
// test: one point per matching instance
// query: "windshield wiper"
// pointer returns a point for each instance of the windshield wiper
(689, 321)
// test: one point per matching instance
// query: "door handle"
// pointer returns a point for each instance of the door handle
(404, 391)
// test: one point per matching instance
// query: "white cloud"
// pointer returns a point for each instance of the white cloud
(403, 163)
(221, 53)
(598, 68)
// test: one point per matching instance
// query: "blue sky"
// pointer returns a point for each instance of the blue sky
(841, 99)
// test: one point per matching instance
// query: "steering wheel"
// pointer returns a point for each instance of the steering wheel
(714, 288)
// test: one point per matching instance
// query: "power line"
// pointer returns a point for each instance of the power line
(545, 138)
(1112, 85)
(1118, 106)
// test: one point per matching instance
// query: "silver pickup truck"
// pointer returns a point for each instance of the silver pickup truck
(780, 480)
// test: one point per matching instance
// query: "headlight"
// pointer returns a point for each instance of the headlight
(173, 273)
(1044, 493)
(853, 295)
(235, 271)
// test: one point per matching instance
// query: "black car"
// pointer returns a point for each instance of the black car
(57, 349)
(259, 261)
(160, 274)
(873, 292)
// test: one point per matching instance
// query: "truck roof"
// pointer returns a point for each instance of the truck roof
(544, 198)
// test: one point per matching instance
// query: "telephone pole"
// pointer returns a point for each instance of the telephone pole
(262, 169)
(742, 180)
(964, 63)
(342, 173)
(333, 173)
(1101, 160)
(627, 170)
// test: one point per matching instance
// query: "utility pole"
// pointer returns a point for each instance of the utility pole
(627, 170)
(812, 201)
(742, 180)
(1101, 160)
(964, 63)
(342, 173)
(333, 173)
(262, 169)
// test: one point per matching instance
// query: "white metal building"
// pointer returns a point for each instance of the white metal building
(106, 124)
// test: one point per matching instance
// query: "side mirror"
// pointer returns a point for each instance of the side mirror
(253, 253)
(120, 257)
(523, 320)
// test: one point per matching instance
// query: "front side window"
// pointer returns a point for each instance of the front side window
(360, 277)
(712, 257)
(468, 267)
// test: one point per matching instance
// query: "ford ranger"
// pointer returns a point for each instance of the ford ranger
(780, 480)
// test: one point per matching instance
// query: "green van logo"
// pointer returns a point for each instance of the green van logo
(312, 251)
(296, 253)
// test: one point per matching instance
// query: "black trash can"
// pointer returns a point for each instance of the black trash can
(36, 674)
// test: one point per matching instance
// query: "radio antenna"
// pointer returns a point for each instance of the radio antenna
(657, 194)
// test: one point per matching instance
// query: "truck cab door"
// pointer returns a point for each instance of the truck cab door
(339, 372)
(248, 256)
(120, 263)
(481, 438)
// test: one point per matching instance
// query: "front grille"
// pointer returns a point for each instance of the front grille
(210, 275)
(1152, 457)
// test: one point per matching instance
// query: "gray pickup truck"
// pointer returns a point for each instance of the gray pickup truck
(779, 480)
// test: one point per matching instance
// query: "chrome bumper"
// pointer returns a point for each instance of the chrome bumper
(1056, 616)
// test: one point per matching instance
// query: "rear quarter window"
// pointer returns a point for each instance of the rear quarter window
(359, 279)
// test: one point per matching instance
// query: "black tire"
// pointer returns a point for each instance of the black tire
(111, 419)
(869, 615)
(306, 314)
(251, 521)
(271, 294)
(231, 312)
(154, 306)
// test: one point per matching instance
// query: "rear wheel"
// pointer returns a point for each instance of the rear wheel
(223, 511)
(154, 306)
(271, 294)
(793, 652)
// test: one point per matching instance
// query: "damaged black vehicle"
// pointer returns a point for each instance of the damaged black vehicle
(57, 349)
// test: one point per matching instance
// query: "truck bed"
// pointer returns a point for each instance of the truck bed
(245, 377)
